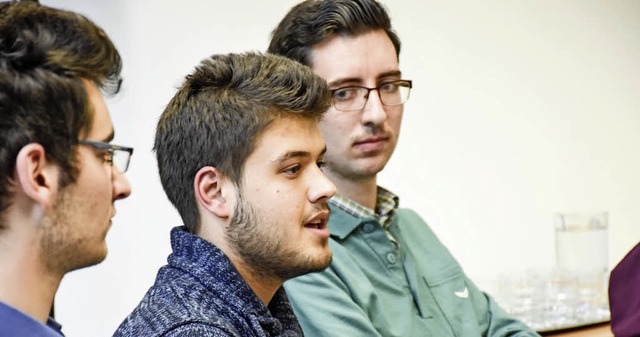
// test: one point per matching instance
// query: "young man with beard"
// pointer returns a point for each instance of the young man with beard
(59, 176)
(390, 275)
(240, 157)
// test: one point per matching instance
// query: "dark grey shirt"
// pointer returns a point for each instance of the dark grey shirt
(200, 293)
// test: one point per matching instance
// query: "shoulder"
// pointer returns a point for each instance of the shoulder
(15, 323)
(419, 239)
(412, 225)
(409, 217)
(169, 304)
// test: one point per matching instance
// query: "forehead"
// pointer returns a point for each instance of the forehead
(361, 57)
(102, 127)
(286, 136)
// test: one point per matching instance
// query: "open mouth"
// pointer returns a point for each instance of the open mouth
(316, 224)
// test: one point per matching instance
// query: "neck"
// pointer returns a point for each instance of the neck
(263, 286)
(25, 283)
(363, 191)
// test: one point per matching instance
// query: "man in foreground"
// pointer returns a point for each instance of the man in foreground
(240, 156)
(59, 176)
(390, 275)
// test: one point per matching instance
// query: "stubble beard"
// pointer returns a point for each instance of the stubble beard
(261, 245)
(62, 249)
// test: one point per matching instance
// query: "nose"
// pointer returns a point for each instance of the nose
(373, 112)
(121, 187)
(322, 189)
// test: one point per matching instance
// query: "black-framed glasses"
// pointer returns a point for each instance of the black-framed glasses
(356, 97)
(118, 156)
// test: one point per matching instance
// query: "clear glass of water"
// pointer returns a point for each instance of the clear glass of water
(582, 250)
(582, 241)
(573, 293)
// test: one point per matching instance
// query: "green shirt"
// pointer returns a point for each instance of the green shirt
(373, 289)
(386, 208)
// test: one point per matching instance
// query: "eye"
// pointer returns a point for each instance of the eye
(321, 164)
(292, 170)
(345, 94)
(108, 156)
(390, 87)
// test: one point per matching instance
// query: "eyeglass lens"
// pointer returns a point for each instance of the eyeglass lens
(355, 98)
(120, 160)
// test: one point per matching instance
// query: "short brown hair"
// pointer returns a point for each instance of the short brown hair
(44, 55)
(314, 21)
(219, 111)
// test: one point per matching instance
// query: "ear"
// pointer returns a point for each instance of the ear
(35, 176)
(210, 189)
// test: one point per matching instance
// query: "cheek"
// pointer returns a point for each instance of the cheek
(289, 207)
(100, 198)
(275, 202)
(335, 130)
(397, 118)
(103, 183)
(95, 176)
(334, 120)
(99, 187)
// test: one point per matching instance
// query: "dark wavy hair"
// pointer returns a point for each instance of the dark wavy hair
(218, 113)
(44, 55)
(313, 21)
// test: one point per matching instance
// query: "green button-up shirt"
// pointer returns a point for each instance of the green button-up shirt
(373, 289)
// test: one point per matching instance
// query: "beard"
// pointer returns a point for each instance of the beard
(262, 245)
(63, 249)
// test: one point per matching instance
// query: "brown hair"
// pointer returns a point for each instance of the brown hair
(219, 111)
(44, 55)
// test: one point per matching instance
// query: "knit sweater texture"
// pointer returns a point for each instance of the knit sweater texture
(200, 293)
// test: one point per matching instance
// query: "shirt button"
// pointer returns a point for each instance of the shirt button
(391, 257)
(368, 227)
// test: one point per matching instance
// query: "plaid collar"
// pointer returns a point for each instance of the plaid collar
(386, 206)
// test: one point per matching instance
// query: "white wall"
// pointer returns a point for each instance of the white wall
(520, 109)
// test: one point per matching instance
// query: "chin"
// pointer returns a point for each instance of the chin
(314, 263)
(321, 261)
(93, 258)
(370, 167)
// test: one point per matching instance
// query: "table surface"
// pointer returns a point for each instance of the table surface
(598, 330)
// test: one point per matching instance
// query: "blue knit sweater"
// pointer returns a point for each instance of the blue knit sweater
(200, 293)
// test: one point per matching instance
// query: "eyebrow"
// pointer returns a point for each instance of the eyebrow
(341, 81)
(110, 137)
(296, 154)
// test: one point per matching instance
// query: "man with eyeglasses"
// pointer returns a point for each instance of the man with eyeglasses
(390, 275)
(59, 175)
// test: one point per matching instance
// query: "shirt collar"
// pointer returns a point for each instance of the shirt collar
(347, 214)
(386, 205)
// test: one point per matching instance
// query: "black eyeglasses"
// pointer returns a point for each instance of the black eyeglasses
(119, 156)
(356, 97)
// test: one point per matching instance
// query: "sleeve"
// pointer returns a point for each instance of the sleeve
(325, 309)
(498, 322)
(470, 311)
